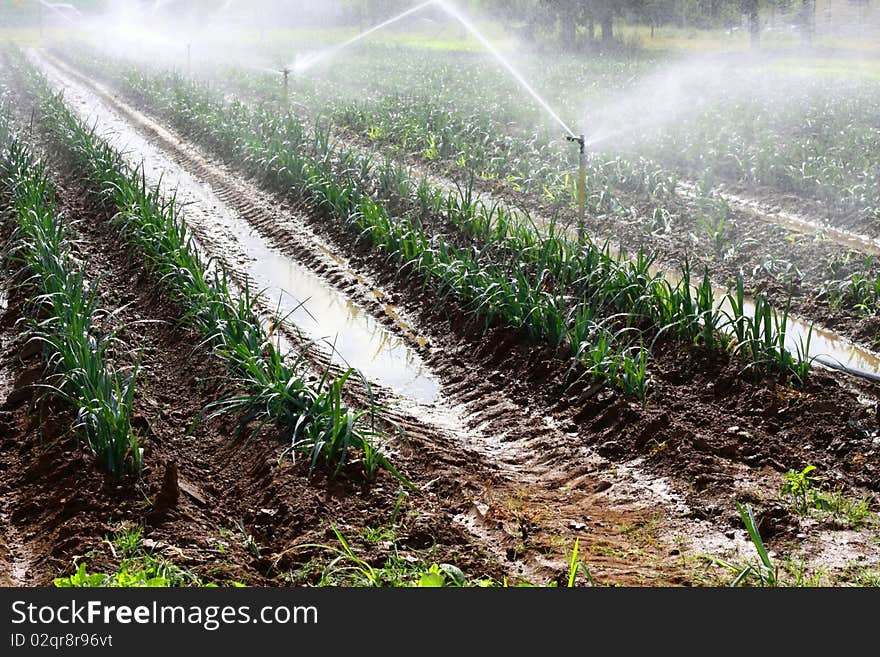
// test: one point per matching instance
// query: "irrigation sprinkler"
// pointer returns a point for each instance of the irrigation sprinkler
(286, 73)
(581, 183)
(189, 59)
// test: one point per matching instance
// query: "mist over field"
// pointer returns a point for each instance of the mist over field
(440, 293)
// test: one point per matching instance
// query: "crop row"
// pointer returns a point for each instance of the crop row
(279, 389)
(70, 325)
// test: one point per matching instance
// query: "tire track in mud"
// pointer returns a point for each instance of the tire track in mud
(528, 441)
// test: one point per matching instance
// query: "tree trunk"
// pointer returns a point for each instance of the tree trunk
(754, 23)
(591, 28)
(808, 22)
(607, 27)
(568, 31)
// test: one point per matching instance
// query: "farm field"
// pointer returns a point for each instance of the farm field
(321, 316)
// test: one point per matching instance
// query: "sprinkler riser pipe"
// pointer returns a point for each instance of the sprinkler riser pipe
(581, 183)
(582, 190)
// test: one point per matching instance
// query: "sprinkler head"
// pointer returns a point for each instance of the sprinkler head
(579, 139)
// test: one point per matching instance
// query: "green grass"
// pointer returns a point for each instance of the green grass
(138, 567)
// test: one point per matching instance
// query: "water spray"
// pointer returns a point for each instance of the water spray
(581, 183)
(189, 59)
(305, 63)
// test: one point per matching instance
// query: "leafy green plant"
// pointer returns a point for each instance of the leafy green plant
(807, 495)
(77, 346)
(800, 487)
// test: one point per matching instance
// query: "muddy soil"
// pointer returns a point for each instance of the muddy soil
(532, 455)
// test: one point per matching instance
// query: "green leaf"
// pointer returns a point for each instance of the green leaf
(432, 580)
(454, 574)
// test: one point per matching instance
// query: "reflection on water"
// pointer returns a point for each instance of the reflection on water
(317, 309)
(849, 239)
(825, 346)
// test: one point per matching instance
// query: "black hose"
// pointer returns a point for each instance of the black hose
(837, 365)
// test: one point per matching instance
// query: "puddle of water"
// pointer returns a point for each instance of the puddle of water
(320, 311)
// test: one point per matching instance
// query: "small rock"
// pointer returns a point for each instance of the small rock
(169, 493)
(602, 486)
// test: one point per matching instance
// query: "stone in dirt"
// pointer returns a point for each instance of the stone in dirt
(169, 493)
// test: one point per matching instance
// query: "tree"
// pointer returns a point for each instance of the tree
(808, 21)
(750, 8)
(570, 15)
